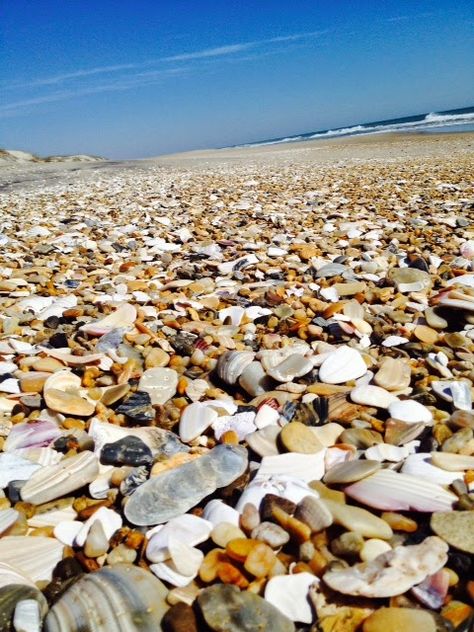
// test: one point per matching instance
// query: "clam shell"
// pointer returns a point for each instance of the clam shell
(289, 594)
(306, 467)
(195, 419)
(8, 517)
(410, 411)
(392, 491)
(34, 557)
(422, 466)
(231, 365)
(391, 573)
(342, 365)
(123, 317)
(160, 383)
(54, 481)
(119, 598)
(187, 528)
(350, 471)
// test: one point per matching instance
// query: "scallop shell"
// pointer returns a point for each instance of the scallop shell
(306, 467)
(342, 365)
(8, 517)
(62, 393)
(231, 365)
(34, 557)
(54, 481)
(119, 598)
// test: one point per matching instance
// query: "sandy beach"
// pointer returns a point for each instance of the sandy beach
(236, 385)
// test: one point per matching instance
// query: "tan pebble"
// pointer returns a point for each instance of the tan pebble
(120, 554)
(33, 382)
(208, 568)
(298, 531)
(260, 560)
(230, 574)
(397, 619)
(297, 437)
(399, 522)
(249, 518)
(313, 512)
(426, 334)
(326, 492)
(224, 532)
(373, 548)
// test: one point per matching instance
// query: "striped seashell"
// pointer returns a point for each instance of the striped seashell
(8, 517)
(119, 598)
(231, 365)
(35, 557)
(54, 481)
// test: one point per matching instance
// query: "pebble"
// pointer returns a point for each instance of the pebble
(359, 520)
(297, 437)
(396, 619)
(350, 471)
(160, 383)
(127, 451)
(456, 528)
(370, 395)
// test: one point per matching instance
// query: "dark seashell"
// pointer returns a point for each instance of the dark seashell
(183, 343)
(112, 599)
(10, 596)
(127, 451)
(137, 477)
(110, 341)
(289, 410)
(138, 407)
(311, 414)
(270, 501)
(415, 261)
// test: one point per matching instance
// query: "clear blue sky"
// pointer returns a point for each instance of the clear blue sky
(136, 78)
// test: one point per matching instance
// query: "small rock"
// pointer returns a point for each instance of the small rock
(127, 451)
(397, 619)
(297, 437)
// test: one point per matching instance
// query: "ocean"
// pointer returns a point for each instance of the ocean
(460, 120)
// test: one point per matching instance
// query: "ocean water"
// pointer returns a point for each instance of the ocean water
(461, 120)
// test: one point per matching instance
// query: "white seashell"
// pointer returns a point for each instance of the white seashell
(217, 511)
(10, 385)
(342, 365)
(54, 481)
(231, 365)
(410, 411)
(7, 367)
(189, 529)
(467, 280)
(41, 456)
(372, 396)
(123, 317)
(392, 491)
(196, 389)
(254, 380)
(195, 419)
(160, 383)
(242, 423)
(27, 617)
(335, 456)
(66, 531)
(306, 467)
(452, 462)
(266, 416)
(289, 594)
(422, 466)
(389, 452)
(167, 572)
(284, 486)
(391, 573)
(52, 518)
(294, 365)
(15, 468)
(12, 575)
(186, 559)
(111, 521)
(8, 517)
(394, 341)
(219, 404)
(35, 557)
(372, 548)
(232, 315)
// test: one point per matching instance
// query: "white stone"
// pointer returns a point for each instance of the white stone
(160, 383)
(195, 419)
(410, 411)
(369, 395)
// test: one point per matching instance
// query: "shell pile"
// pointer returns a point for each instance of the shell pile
(237, 394)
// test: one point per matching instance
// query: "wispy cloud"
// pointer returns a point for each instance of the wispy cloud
(135, 74)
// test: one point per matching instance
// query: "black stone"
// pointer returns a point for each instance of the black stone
(67, 568)
(126, 451)
(52, 322)
(138, 407)
(14, 490)
(58, 340)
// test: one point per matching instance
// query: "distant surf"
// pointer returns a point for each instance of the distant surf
(448, 120)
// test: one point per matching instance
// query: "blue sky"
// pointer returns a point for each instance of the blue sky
(136, 78)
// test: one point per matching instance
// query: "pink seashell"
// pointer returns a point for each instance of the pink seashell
(433, 590)
(32, 435)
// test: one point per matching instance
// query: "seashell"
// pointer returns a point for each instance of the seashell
(53, 517)
(294, 365)
(394, 341)
(459, 393)
(113, 599)
(138, 408)
(187, 528)
(289, 594)
(306, 467)
(196, 389)
(350, 471)
(168, 573)
(16, 468)
(41, 456)
(216, 511)
(8, 517)
(66, 531)
(176, 491)
(31, 435)
(287, 487)
(266, 416)
(110, 520)
(393, 374)
(421, 465)
(391, 491)
(342, 365)
(254, 380)
(232, 315)
(123, 318)
(54, 481)
(331, 270)
(34, 557)
(389, 452)
(62, 393)
(452, 462)
(160, 441)
(391, 573)
(160, 383)
(195, 419)
(231, 365)
(135, 479)
(400, 433)
(410, 411)
(313, 512)
(22, 608)
(432, 591)
(369, 395)
(242, 423)
(372, 548)
(12, 575)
